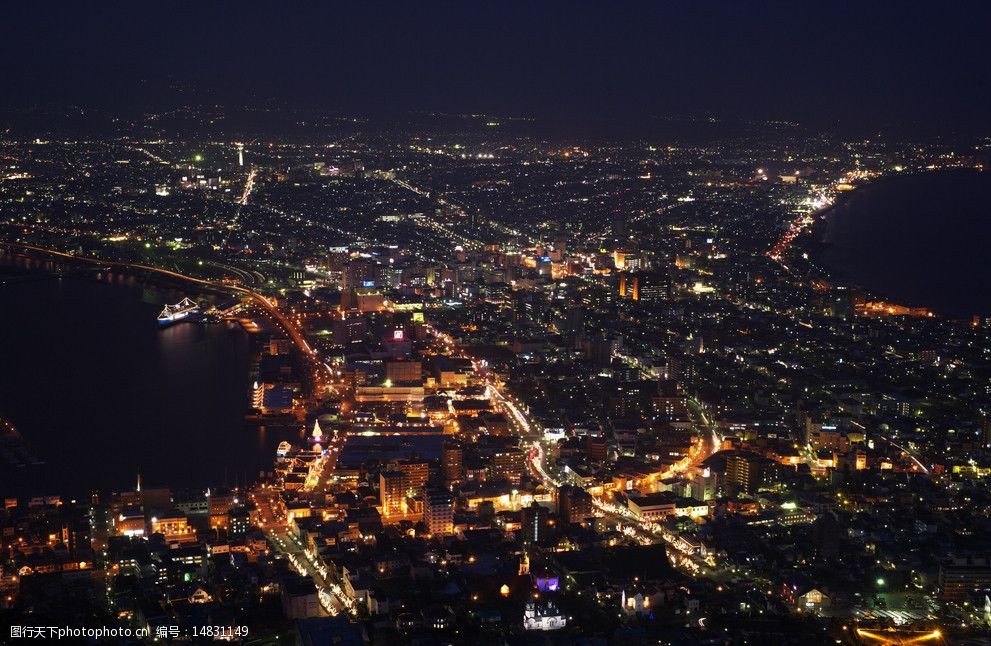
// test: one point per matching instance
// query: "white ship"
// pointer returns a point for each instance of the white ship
(174, 313)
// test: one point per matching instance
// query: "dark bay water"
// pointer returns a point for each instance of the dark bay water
(920, 240)
(99, 392)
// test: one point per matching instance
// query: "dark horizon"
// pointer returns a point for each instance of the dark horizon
(837, 66)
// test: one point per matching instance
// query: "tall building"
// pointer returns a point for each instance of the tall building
(636, 262)
(600, 350)
(415, 472)
(534, 523)
(959, 577)
(841, 303)
(219, 503)
(574, 327)
(508, 464)
(239, 521)
(438, 512)
(392, 493)
(363, 299)
(626, 285)
(174, 526)
(619, 224)
(403, 481)
(597, 447)
(358, 274)
(703, 485)
(746, 472)
(574, 504)
(452, 458)
(404, 372)
(649, 287)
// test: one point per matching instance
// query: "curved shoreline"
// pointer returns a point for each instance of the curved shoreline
(102, 392)
(279, 317)
(872, 280)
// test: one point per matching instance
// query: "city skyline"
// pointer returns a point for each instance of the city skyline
(495, 324)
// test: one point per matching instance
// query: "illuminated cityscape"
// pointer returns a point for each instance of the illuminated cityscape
(281, 368)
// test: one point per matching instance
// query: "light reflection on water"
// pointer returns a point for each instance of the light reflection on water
(99, 392)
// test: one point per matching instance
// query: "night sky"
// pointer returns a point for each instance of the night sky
(864, 63)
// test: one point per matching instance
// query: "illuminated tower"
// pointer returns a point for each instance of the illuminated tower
(240, 154)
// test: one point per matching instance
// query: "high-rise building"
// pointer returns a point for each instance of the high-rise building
(238, 521)
(415, 472)
(452, 457)
(574, 327)
(597, 447)
(600, 350)
(626, 284)
(746, 472)
(363, 299)
(649, 287)
(961, 576)
(654, 286)
(438, 512)
(349, 330)
(574, 504)
(841, 303)
(619, 224)
(508, 464)
(533, 523)
(404, 372)
(219, 503)
(392, 493)
(173, 526)
(636, 262)
(358, 274)
(401, 483)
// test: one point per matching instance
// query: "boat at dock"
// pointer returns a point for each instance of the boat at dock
(180, 311)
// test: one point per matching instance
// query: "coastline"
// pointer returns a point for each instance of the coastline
(47, 266)
(103, 395)
(825, 247)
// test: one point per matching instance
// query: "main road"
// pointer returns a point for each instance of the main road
(271, 516)
(643, 531)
